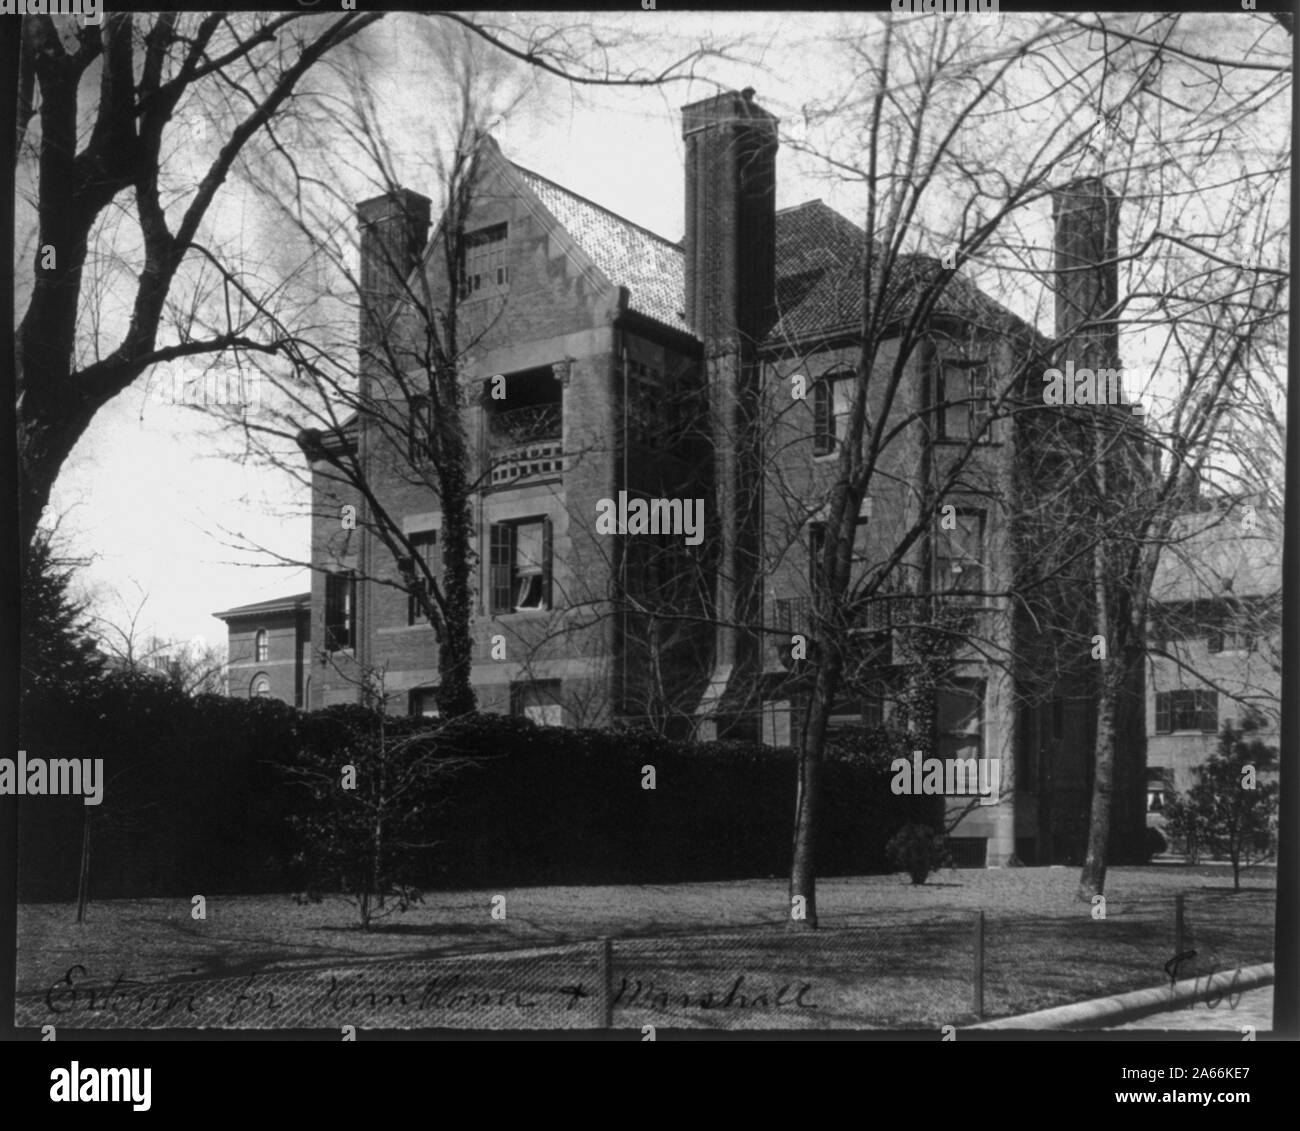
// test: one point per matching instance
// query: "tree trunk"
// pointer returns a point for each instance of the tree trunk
(456, 651)
(803, 870)
(1092, 880)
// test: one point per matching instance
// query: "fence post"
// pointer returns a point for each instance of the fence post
(979, 966)
(606, 984)
(1179, 935)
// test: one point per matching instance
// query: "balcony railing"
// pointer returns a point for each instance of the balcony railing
(526, 425)
(509, 464)
(524, 442)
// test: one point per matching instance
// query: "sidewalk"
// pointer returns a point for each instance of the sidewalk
(1254, 1007)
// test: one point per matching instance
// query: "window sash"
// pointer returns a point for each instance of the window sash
(1187, 709)
(962, 546)
(538, 700)
(963, 399)
(483, 261)
(823, 418)
(509, 580)
(501, 567)
(420, 429)
(425, 546)
(340, 605)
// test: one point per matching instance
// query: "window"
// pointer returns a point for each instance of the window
(1157, 787)
(483, 262)
(1229, 640)
(421, 426)
(962, 395)
(832, 400)
(538, 700)
(968, 851)
(519, 563)
(959, 555)
(424, 543)
(959, 711)
(817, 548)
(262, 647)
(340, 610)
(260, 688)
(423, 701)
(1192, 709)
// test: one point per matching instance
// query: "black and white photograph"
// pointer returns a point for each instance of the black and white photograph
(651, 522)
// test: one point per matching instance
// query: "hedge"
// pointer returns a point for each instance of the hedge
(200, 798)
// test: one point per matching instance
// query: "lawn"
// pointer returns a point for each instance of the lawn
(709, 954)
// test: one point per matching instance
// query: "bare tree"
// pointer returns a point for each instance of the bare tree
(934, 84)
(403, 420)
(81, 164)
(136, 149)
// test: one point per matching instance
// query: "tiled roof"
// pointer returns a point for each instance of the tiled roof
(819, 263)
(649, 266)
(819, 257)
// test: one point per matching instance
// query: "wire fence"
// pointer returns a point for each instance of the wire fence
(919, 970)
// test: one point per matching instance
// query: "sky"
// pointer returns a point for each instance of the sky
(154, 492)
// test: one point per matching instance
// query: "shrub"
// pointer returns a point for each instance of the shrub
(1155, 842)
(917, 850)
(1232, 809)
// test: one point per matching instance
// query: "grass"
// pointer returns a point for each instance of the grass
(890, 954)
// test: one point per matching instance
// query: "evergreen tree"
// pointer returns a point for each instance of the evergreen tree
(56, 647)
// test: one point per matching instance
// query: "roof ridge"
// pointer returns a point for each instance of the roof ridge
(599, 207)
(805, 204)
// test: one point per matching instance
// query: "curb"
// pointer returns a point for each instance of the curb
(1104, 1011)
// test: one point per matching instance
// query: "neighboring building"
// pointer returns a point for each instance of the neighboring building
(270, 649)
(1217, 601)
(614, 344)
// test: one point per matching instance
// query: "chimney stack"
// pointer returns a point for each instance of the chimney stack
(730, 299)
(730, 216)
(1086, 214)
(394, 228)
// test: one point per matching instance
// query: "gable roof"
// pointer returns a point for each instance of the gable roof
(652, 268)
(819, 255)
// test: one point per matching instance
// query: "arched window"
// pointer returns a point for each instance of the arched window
(260, 687)
(263, 646)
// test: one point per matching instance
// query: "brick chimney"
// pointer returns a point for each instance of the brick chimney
(394, 228)
(1086, 214)
(730, 298)
(730, 216)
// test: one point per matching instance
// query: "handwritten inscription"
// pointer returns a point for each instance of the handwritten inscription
(126, 996)
(635, 994)
(401, 997)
